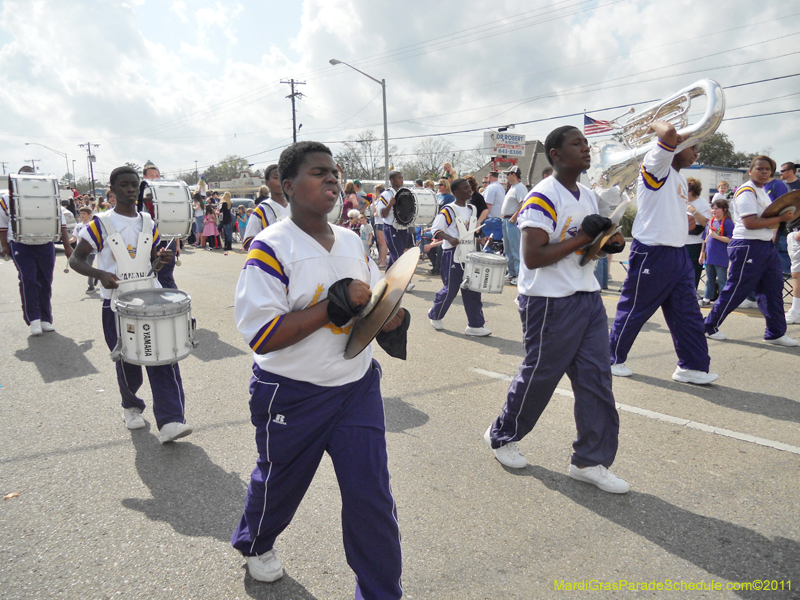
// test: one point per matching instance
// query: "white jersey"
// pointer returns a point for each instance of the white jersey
(287, 271)
(5, 222)
(265, 214)
(661, 194)
(494, 194)
(750, 200)
(703, 207)
(446, 221)
(382, 203)
(129, 228)
(553, 208)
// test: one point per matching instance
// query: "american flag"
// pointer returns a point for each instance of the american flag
(592, 126)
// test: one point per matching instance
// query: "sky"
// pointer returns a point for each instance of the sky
(179, 81)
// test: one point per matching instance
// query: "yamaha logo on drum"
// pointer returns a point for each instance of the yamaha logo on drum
(148, 340)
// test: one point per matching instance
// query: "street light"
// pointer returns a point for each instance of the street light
(63, 154)
(382, 83)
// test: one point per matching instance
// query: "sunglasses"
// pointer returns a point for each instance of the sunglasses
(786, 170)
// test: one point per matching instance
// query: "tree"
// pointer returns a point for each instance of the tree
(428, 158)
(134, 166)
(363, 158)
(231, 167)
(718, 151)
(66, 179)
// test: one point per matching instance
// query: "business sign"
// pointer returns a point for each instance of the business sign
(496, 143)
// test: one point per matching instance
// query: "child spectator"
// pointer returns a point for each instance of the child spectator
(714, 254)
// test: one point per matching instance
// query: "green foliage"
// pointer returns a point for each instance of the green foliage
(231, 167)
(718, 151)
(627, 221)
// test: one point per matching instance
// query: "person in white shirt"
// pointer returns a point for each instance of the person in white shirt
(660, 274)
(270, 211)
(754, 261)
(397, 239)
(85, 213)
(564, 320)
(511, 205)
(700, 210)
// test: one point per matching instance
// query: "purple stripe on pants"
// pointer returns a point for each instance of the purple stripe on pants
(35, 264)
(660, 277)
(296, 422)
(754, 266)
(564, 336)
(396, 241)
(452, 274)
(165, 380)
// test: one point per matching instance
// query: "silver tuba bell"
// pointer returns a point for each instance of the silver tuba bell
(616, 162)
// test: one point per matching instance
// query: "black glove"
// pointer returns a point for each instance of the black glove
(340, 309)
(594, 225)
(394, 342)
(613, 247)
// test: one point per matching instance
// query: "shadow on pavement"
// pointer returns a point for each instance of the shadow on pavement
(724, 550)
(210, 347)
(58, 357)
(285, 588)
(511, 347)
(402, 415)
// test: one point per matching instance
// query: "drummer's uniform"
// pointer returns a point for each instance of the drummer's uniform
(452, 271)
(660, 273)
(165, 380)
(397, 240)
(306, 400)
(35, 262)
(754, 266)
(265, 214)
(566, 331)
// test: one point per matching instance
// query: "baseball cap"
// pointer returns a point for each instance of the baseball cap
(515, 170)
(356, 182)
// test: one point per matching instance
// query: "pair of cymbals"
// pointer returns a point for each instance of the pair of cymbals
(787, 203)
(602, 238)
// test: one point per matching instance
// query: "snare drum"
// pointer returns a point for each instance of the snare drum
(154, 327)
(336, 214)
(34, 208)
(485, 273)
(172, 207)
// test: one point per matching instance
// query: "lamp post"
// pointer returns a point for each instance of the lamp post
(62, 154)
(382, 83)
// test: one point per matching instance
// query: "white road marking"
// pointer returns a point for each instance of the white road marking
(674, 420)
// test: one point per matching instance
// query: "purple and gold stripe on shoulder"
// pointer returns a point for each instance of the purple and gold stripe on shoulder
(259, 211)
(263, 257)
(448, 217)
(156, 235)
(541, 203)
(3, 204)
(651, 182)
(744, 188)
(96, 233)
(666, 147)
(265, 333)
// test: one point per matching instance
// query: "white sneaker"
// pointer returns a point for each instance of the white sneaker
(172, 431)
(410, 287)
(508, 455)
(133, 418)
(620, 370)
(36, 327)
(266, 567)
(792, 318)
(477, 331)
(749, 304)
(437, 325)
(719, 336)
(47, 326)
(784, 340)
(690, 376)
(601, 477)
(513, 281)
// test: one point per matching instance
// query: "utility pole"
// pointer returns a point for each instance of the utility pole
(196, 179)
(91, 159)
(294, 95)
(4, 167)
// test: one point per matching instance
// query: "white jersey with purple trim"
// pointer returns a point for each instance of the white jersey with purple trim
(661, 197)
(383, 202)
(553, 208)
(265, 214)
(446, 221)
(750, 200)
(287, 271)
(129, 228)
(5, 222)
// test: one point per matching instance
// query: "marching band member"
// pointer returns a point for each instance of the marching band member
(452, 220)
(397, 240)
(306, 398)
(35, 262)
(270, 211)
(563, 318)
(754, 261)
(116, 263)
(660, 273)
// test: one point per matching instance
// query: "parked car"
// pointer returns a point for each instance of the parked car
(237, 202)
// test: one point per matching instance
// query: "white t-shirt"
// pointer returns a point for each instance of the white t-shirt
(287, 271)
(748, 201)
(5, 222)
(264, 215)
(129, 228)
(553, 208)
(446, 221)
(494, 195)
(514, 197)
(702, 206)
(662, 194)
(383, 202)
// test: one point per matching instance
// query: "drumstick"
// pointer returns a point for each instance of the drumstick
(66, 269)
(488, 241)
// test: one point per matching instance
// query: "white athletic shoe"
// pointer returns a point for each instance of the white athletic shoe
(438, 325)
(410, 287)
(477, 331)
(719, 336)
(749, 304)
(172, 431)
(133, 418)
(36, 327)
(792, 318)
(620, 370)
(508, 455)
(47, 326)
(784, 340)
(266, 567)
(601, 477)
(691, 376)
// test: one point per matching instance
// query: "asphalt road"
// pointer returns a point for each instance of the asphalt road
(104, 513)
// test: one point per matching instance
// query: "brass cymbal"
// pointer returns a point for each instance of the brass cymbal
(602, 238)
(787, 202)
(396, 280)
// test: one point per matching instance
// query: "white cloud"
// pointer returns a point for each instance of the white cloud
(179, 8)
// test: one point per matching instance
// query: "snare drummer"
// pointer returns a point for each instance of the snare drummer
(563, 318)
(446, 227)
(35, 262)
(165, 380)
(269, 211)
